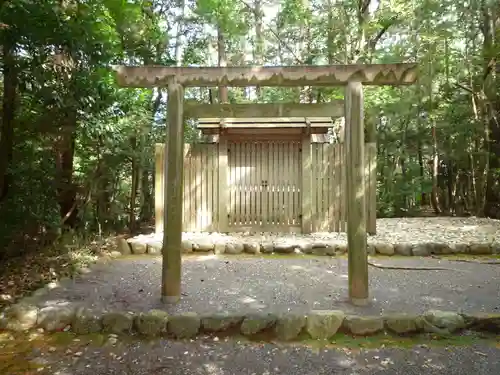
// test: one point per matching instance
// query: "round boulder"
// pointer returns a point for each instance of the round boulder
(56, 317)
(266, 247)
(220, 322)
(449, 321)
(219, 248)
(341, 248)
(185, 325)
(323, 324)
(123, 246)
(421, 250)
(137, 246)
(459, 248)
(384, 248)
(154, 248)
(187, 246)
(252, 247)
(403, 249)
(364, 325)
(234, 248)
(117, 322)
(203, 246)
(152, 323)
(284, 247)
(289, 326)
(255, 323)
(480, 249)
(86, 321)
(19, 317)
(305, 247)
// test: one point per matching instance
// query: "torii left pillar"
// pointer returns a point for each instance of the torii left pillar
(173, 197)
(356, 202)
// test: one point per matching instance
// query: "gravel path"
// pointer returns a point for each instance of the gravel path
(212, 283)
(449, 230)
(232, 358)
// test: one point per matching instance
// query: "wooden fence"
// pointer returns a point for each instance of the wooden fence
(261, 189)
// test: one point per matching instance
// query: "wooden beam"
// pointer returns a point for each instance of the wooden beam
(291, 76)
(356, 207)
(172, 222)
(267, 110)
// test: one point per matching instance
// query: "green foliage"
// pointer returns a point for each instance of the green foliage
(83, 148)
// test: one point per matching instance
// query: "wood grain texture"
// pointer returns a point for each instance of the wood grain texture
(356, 195)
(286, 76)
(173, 202)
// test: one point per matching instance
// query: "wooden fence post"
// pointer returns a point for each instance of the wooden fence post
(223, 185)
(306, 187)
(371, 197)
(159, 186)
(356, 207)
(172, 232)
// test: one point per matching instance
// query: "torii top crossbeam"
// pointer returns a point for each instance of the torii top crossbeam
(290, 76)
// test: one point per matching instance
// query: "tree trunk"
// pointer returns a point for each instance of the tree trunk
(10, 81)
(135, 185)
(221, 50)
(435, 172)
(67, 190)
(259, 40)
(423, 195)
(147, 198)
(491, 66)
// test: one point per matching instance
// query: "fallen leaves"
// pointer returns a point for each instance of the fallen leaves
(24, 274)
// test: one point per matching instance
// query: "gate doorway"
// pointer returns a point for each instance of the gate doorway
(264, 186)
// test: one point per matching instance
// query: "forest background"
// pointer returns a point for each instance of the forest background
(77, 151)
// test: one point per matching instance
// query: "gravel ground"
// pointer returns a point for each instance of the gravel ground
(232, 358)
(394, 230)
(243, 284)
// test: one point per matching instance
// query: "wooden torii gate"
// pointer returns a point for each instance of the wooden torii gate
(353, 77)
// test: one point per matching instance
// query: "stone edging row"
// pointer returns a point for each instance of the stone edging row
(318, 324)
(202, 246)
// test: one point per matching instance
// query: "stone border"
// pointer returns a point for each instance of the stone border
(305, 246)
(317, 324)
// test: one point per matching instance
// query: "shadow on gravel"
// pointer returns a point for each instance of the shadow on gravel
(280, 284)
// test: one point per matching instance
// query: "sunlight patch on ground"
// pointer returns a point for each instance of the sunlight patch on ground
(467, 227)
(212, 369)
(252, 302)
(203, 258)
(432, 299)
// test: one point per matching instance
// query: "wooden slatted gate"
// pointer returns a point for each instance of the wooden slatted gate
(264, 185)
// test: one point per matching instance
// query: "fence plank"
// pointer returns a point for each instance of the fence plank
(336, 189)
(306, 184)
(255, 183)
(288, 180)
(343, 185)
(210, 185)
(371, 197)
(325, 182)
(187, 188)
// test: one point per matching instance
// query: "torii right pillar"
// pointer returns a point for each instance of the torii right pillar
(356, 200)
